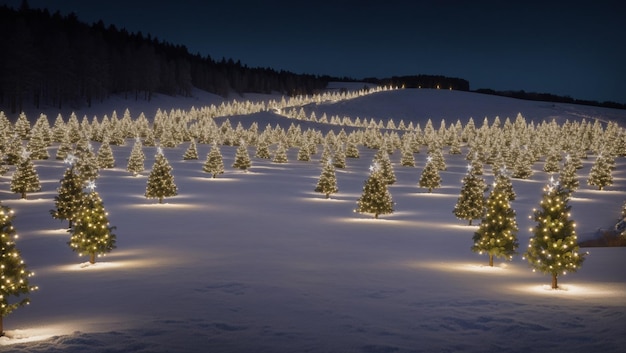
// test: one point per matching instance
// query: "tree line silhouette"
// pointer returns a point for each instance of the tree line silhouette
(57, 60)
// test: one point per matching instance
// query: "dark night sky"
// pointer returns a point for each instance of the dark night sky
(574, 48)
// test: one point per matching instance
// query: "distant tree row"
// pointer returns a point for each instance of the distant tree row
(423, 81)
(58, 60)
(548, 97)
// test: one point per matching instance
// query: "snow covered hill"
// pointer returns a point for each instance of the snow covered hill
(258, 262)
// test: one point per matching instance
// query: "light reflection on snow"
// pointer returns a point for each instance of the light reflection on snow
(500, 269)
(576, 291)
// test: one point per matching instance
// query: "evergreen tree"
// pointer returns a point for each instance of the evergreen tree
(407, 159)
(161, 181)
(65, 147)
(280, 156)
(37, 145)
(91, 233)
(504, 184)
(522, 168)
(553, 248)
(430, 177)
(327, 183)
(381, 158)
(15, 276)
(192, 151)
(497, 233)
(105, 157)
(22, 126)
(304, 153)
(262, 150)
(25, 178)
(339, 159)
(214, 163)
(471, 202)
(69, 197)
(351, 150)
(86, 163)
(551, 164)
(242, 158)
(375, 198)
(136, 160)
(600, 174)
(568, 178)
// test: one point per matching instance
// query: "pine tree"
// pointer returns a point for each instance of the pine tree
(553, 248)
(69, 197)
(22, 126)
(551, 164)
(407, 159)
(375, 198)
(105, 157)
(497, 233)
(161, 181)
(280, 155)
(600, 174)
(15, 276)
(65, 147)
(522, 168)
(192, 151)
(304, 154)
(86, 164)
(262, 150)
(91, 233)
(471, 202)
(430, 177)
(568, 178)
(386, 168)
(242, 158)
(136, 160)
(214, 163)
(351, 150)
(37, 145)
(327, 183)
(339, 158)
(25, 178)
(503, 183)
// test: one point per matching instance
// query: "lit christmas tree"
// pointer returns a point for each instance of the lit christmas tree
(105, 157)
(381, 158)
(407, 159)
(86, 162)
(327, 183)
(262, 149)
(161, 181)
(600, 174)
(192, 151)
(551, 164)
(351, 150)
(430, 177)
(91, 233)
(214, 163)
(280, 155)
(13, 272)
(25, 178)
(69, 196)
(553, 248)
(304, 153)
(339, 159)
(137, 157)
(375, 198)
(568, 177)
(522, 167)
(497, 233)
(503, 183)
(242, 158)
(37, 145)
(471, 202)
(65, 147)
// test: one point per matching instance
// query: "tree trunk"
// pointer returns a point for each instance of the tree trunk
(491, 260)
(327, 196)
(470, 222)
(92, 258)
(69, 226)
(1, 326)
(554, 281)
(376, 215)
(160, 199)
(23, 194)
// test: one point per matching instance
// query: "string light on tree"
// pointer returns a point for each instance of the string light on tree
(553, 249)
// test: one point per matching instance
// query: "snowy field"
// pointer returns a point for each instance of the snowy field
(259, 262)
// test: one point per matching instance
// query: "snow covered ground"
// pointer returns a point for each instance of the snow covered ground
(258, 262)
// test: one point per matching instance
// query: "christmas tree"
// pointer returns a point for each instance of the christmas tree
(600, 174)
(262, 150)
(327, 183)
(375, 198)
(91, 233)
(497, 233)
(105, 157)
(568, 177)
(69, 198)
(137, 157)
(504, 184)
(192, 151)
(25, 178)
(386, 168)
(214, 163)
(161, 181)
(553, 248)
(242, 158)
(280, 155)
(430, 177)
(12, 268)
(339, 159)
(407, 159)
(65, 147)
(86, 162)
(471, 202)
